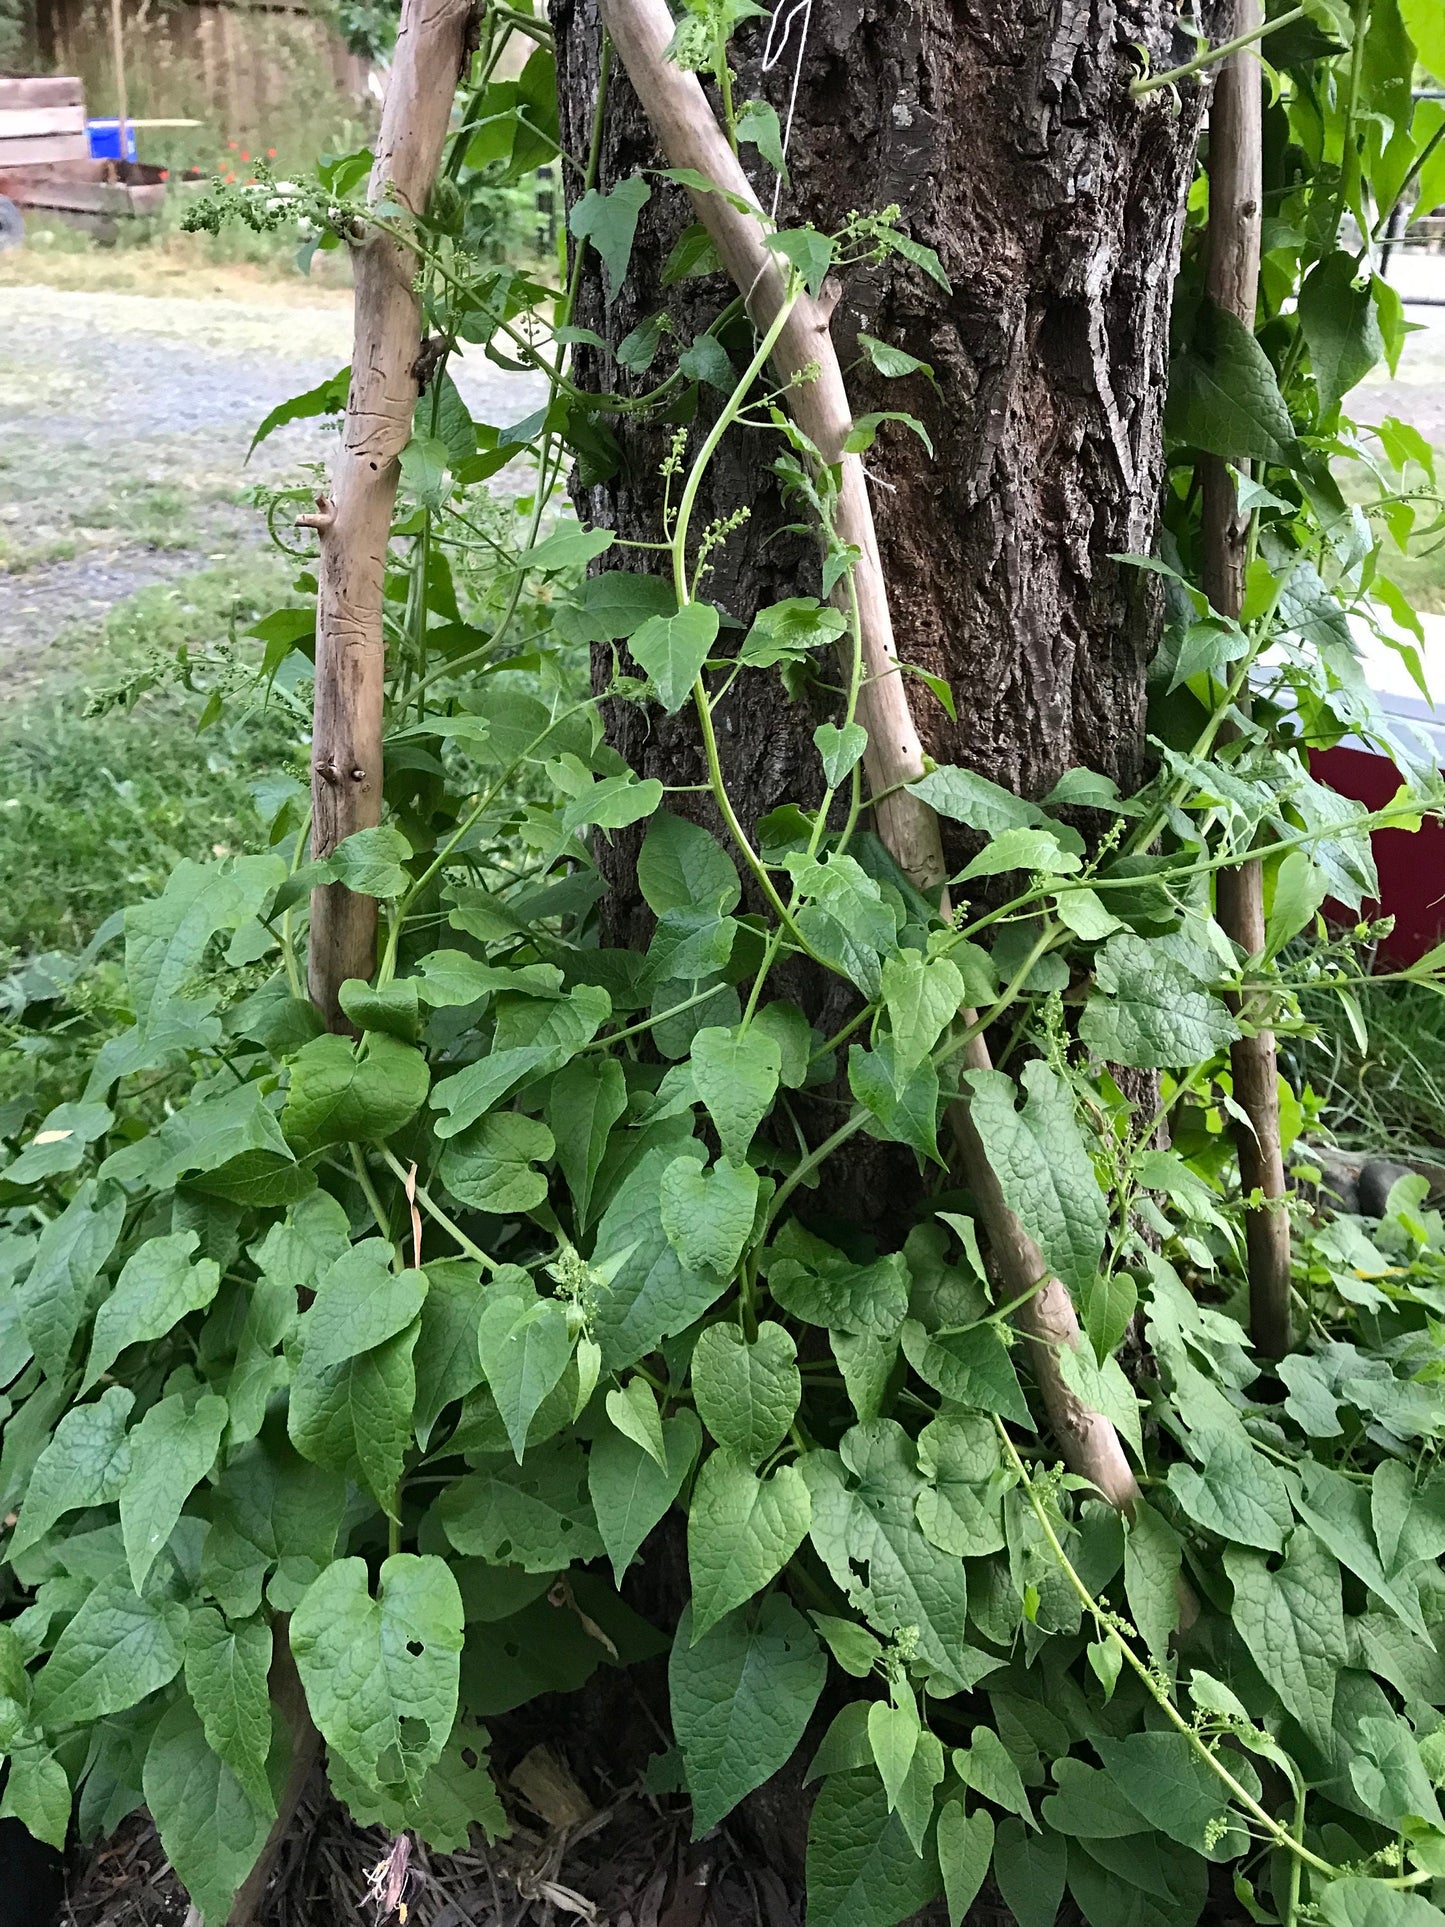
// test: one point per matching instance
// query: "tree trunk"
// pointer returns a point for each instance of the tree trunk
(1008, 139)
(1056, 204)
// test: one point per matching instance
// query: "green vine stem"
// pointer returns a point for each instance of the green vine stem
(1211, 56)
(1108, 1628)
(727, 415)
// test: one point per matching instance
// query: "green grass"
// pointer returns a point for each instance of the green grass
(105, 782)
(1390, 1095)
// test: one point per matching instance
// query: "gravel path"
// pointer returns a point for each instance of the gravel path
(123, 440)
(126, 420)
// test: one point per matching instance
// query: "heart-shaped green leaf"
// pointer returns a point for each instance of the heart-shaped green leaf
(840, 749)
(343, 1092)
(708, 1215)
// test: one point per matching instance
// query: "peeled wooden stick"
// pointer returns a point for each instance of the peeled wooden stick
(354, 523)
(1235, 190)
(690, 137)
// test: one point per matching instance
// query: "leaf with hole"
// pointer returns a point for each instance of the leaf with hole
(536, 1515)
(1152, 1557)
(453, 1796)
(381, 1672)
(445, 1356)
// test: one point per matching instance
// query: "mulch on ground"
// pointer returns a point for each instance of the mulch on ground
(629, 1864)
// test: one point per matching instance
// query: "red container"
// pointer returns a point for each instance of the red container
(1411, 864)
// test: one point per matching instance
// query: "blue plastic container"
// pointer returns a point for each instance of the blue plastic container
(105, 140)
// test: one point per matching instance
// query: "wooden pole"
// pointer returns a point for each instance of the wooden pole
(1235, 191)
(354, 525)
(354, 522)
(689, 136)
(117, 48)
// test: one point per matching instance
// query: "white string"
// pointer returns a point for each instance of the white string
(774, 48)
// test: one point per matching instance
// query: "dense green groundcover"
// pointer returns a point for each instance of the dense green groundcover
(358, 1344)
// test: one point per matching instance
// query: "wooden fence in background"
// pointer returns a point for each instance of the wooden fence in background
(255, 72)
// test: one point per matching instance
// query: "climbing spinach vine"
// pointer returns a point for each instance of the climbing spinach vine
(368, 1349)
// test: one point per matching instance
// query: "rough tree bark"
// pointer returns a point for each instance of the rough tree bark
(354, 521)
(1006, 135)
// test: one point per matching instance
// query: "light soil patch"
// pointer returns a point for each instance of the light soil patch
(124, 435)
